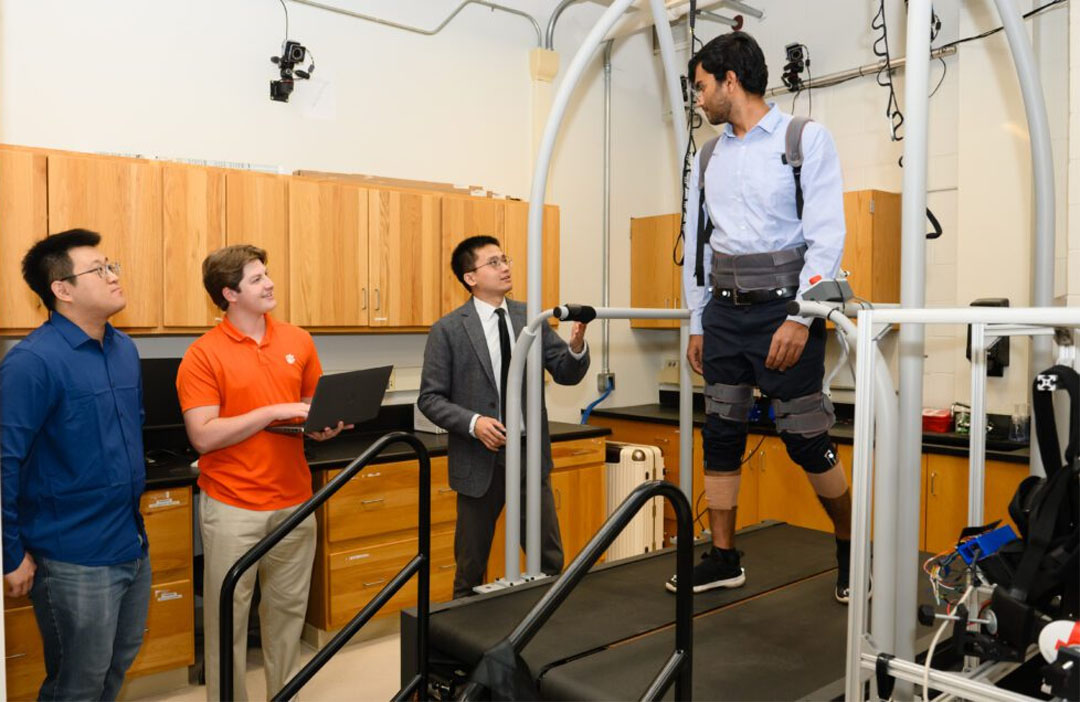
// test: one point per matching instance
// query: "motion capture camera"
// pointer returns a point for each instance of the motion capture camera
(796, 58)
(292, 53)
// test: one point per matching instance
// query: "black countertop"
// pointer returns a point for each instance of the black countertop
(168, 469)
(950, 444)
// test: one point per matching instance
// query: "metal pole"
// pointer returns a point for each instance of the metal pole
(869, 69)
(1042, 167)
(977, 438)
(912, 337)
(536, 228)
(862, 476)
(674, 91)
(605, 264)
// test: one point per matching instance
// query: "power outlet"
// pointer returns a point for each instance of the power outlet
(671, 363)
(602, 380)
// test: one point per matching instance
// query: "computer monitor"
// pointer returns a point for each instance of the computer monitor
(159, 393)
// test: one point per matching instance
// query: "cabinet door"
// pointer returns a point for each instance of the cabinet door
(170, 622)
(257, 212)
(946, 501)
(463, 217)
(404, 256)
(193, 226)
(119, 198)
(516, 246)
(579, 502)
(784, 493)
(24, 657)
(23, 222)
(654, 277)
(328, 254)
(167, 516)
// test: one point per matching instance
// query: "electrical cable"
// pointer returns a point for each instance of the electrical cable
(691, 147)
(283, 7)
(881, 50)
(698, 515)
(594, 403)
(990, 32)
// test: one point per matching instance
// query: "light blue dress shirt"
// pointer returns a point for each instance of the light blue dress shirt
(750, 197)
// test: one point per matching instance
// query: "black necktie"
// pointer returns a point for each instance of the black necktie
(504, 346)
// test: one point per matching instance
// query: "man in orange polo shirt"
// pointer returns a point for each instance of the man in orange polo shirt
(244, 374)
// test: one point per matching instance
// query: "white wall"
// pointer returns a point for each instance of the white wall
(190, 80)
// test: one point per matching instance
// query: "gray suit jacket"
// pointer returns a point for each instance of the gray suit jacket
(458, 381)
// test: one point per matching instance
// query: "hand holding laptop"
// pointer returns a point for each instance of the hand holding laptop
(329, 433)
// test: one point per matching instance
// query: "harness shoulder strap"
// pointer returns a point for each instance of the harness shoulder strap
(793, 156)
(704, 223)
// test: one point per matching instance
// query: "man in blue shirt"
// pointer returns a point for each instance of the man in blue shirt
(71, 460)
(763, 247)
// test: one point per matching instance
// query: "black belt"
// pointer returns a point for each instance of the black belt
(754, 297)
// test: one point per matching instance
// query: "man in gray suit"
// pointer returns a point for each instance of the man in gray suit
(462, 389)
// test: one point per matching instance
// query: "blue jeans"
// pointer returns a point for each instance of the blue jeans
(92, 620)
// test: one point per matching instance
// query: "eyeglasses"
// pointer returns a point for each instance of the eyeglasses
(494, 262)
(102, 271)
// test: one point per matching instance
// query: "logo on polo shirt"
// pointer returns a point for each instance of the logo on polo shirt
(290, 359)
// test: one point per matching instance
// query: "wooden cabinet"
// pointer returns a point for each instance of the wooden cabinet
(23, 222)
(193, 225)
(367, 532)
(872, 245)
(946, 496)
(120, 198)
(169, 639)
(404, 237)
(655, 280)
(328, 254)
(257, 212)
(577, 484)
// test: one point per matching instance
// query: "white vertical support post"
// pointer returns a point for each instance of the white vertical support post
(862, 477)
(534, 368)
(977, 439)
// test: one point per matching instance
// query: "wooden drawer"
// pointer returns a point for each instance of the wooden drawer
(167, 515)
(382, 500)
(169, 641)
(579, 452)
(357, 575)
(25, 657)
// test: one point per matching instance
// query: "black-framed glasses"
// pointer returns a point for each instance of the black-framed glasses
(102, 271)
(494, 262)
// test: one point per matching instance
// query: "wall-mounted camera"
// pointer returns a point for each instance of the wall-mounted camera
(796, 58)
(292, 53)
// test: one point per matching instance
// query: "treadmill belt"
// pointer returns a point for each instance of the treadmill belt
(625, 599)
(781, 647)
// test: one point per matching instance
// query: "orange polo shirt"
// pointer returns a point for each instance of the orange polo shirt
(226, 368)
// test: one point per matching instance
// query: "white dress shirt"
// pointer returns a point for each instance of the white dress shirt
(489, 320)
(750, 197)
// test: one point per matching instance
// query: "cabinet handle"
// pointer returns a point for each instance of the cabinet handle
(378, 300)
(446, 566)
(373, 501)
(933, 492)
(13, 656)
(363, 305)
(443, 491)
(380, 581)
(358, 556)
(661, 441)
(558, 499)
(667, 302)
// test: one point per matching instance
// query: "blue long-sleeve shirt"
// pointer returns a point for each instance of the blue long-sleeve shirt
(71, 451)
(750, 197)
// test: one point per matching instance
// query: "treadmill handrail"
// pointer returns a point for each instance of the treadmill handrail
(420, 565)
(678, 667)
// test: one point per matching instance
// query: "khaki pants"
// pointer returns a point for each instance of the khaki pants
(284, 578)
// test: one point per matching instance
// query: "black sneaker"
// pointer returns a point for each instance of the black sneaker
(718, 568)
(843, 588)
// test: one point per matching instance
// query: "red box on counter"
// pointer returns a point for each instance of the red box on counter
(937, 421)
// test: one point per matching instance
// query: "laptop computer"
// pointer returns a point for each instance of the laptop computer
(351, 397)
